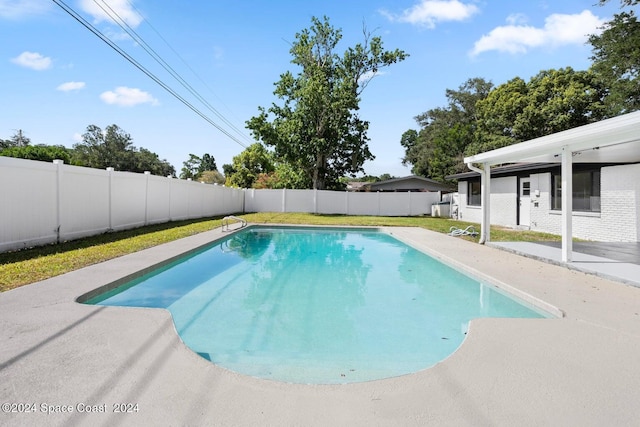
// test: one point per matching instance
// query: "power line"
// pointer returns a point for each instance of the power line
(146, 20)
(134, 35)
(139, 66)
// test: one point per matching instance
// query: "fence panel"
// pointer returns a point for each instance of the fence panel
(158, 197)
(363, 203)
(299, 201)
(394, 204)
(263, 201)
(128, 199)
(84, 202)
(331, 202)
(421, 202)
(28, 203)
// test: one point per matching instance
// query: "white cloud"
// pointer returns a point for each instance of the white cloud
(102, 10)
(128, 97)
(558, 30)
(517, 19)
(69, 86)
(430, 12)
(32, 60)
(15, 9)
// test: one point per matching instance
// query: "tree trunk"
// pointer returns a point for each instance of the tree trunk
(319, 173)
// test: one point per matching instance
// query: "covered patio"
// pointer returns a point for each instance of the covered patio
(615, 140)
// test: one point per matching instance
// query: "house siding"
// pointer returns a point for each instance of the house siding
(617, 221)
(503, 202)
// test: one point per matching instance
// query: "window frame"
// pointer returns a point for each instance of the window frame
(474, 198)
(593, 192)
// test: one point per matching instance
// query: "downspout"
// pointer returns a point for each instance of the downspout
(482, 223)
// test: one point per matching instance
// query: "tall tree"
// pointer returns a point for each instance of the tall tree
(146, 160)
(318, 127)
(207, 163)
(552, 101)
(114, 148)
(111, 148)
(437, 150)
(191, 167)
(616, 59)
(17, 140)
(248, 165)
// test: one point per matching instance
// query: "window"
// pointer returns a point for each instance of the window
(473, 193)
(586, 191)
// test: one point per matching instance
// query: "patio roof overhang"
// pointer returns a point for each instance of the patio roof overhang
(615, 140)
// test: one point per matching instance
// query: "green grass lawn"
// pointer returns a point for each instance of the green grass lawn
(32, 265)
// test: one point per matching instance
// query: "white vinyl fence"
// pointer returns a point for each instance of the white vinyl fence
(44, 203)
(341, 202)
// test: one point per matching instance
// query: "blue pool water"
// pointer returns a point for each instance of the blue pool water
(308, 305)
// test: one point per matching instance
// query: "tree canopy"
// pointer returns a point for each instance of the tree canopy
(114, 148)
(317, 128)
(481, 117)
(616, 59)
(247, 166)
(438, 148)
(196, 166)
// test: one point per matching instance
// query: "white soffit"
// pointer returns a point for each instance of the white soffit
(615, 140)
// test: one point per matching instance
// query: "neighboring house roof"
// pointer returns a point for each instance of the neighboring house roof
(356, 185)
(408, 183)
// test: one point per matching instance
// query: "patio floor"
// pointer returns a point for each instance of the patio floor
(580, 369)
(615, 261)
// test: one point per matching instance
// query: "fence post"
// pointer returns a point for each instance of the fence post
(315, 200)
(284, 200)
(58, 164)
(346, 203)
(409, 196)
(110, 171)
(170, 185)
(146, 197)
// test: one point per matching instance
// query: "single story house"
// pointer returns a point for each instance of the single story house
(407, 183)
(583, 182)
(606, 199)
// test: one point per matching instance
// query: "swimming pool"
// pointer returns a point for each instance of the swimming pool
(317, 305)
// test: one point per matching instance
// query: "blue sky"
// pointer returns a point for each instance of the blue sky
(58, 78)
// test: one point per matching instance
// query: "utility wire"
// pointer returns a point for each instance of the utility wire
(185, 63)
(149, 74)
(134, 35)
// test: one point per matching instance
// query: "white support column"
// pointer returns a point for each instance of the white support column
(567, 204)
(485, 191)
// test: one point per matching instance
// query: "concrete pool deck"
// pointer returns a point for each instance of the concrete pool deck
(582, 369)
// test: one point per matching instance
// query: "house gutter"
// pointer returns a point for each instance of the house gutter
(485, 182)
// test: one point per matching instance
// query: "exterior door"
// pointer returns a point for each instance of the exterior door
(524, 198)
